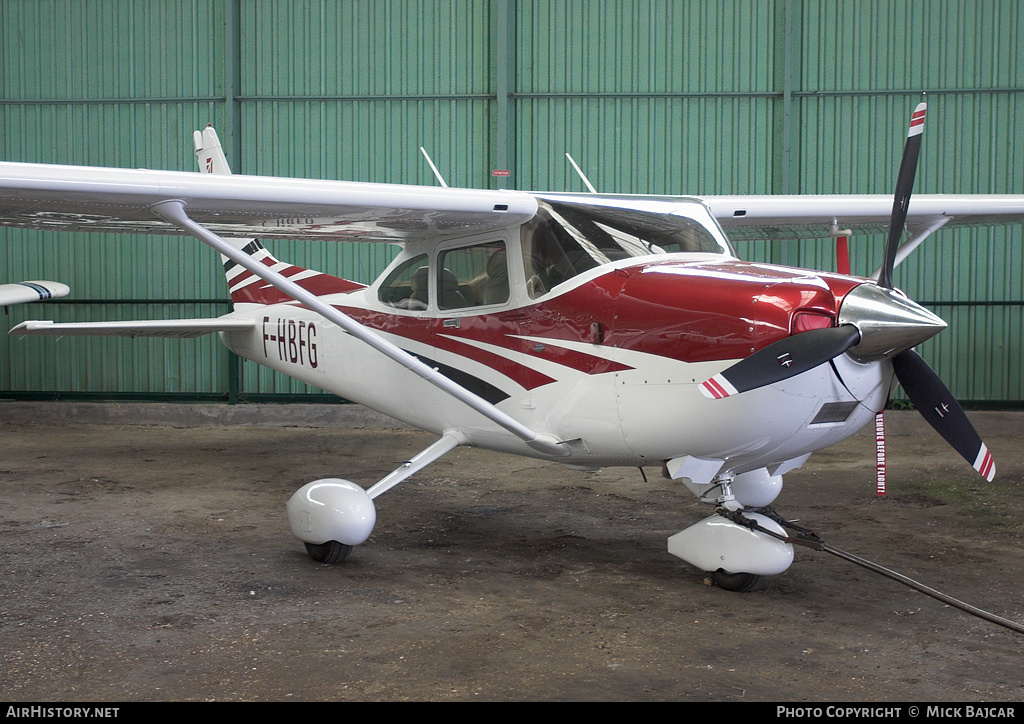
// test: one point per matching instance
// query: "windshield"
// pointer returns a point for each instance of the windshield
(565, 239)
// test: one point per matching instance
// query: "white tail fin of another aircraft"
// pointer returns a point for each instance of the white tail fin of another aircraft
(209, 152)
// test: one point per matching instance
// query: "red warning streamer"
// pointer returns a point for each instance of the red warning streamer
(842, 255)
(880, 453)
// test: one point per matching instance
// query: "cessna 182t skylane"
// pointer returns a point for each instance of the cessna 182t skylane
(591, 330)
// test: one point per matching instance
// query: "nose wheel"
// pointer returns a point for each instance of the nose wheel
(738, 582)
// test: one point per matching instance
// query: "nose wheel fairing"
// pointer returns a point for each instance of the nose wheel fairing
(329, 510)
(718, 544)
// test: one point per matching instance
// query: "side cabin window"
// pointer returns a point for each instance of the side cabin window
(473, 276)
(406, 287)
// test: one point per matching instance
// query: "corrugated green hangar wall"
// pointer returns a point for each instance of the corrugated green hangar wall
(653, 97)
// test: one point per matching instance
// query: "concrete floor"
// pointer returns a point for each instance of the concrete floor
(146, 556)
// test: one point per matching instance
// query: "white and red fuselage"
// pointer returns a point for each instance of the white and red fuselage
(610, 361)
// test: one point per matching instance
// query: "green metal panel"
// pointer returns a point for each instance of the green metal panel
(649, 96)
(367, 139)
(386, 48)
(109, 49)
(352, 90)
(652, 47)
(647, 145)
(893, 45)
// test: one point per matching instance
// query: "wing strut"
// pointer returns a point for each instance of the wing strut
(448, 442)
(173, 211)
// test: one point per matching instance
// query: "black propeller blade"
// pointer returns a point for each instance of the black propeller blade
(924, 388)
(936, 404)
(801, 352)
(783, 359)
(901, 201)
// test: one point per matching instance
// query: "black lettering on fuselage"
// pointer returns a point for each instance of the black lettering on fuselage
(290, 340)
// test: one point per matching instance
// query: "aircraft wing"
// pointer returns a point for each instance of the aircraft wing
(176, 328)
(34, 291)
(811, 216)
(83, 198)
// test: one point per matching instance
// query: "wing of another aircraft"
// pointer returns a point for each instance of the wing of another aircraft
(33, 291)
(176, 328)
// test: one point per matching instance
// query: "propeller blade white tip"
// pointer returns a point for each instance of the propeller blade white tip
(985, 464)
(917, 120)
(717, 387)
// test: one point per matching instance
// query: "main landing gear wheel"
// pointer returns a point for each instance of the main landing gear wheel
(330, 552)
(738, 582)
(332, 510)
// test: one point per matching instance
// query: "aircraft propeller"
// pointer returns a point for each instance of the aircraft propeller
(783, 359)
(875, 320)
(936, 404)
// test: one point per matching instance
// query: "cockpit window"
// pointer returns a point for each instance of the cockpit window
(565, 239)
(552, 253)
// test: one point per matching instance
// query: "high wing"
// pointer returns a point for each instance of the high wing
(32, 291)
(83, 198)
(752, 218)
(811, 216)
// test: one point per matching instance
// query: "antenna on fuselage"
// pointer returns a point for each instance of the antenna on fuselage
(433, 167)
(580, 172)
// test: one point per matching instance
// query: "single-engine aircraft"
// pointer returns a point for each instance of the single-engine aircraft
(586, 329)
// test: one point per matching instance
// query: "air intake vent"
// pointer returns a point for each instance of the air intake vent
(832, 412)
